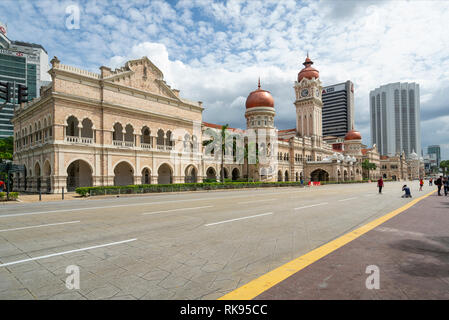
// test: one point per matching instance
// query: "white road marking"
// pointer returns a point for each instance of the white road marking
(65, 252)
(313, 205)
(127, 205)
(150, 203)
(256, 201)
(249, 217)
(39, 226)
(180, 209)
(348, 199)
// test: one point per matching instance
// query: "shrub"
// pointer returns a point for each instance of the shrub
(12, 196)
(178, 187)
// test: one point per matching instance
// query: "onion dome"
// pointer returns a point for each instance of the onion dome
(308, 72)
(353, 135)
(259, 98)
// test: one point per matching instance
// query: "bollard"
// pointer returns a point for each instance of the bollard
(62, 193)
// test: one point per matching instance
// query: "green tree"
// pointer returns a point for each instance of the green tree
(218, 141)
(366, 165)
(6, 148)
(444, 165)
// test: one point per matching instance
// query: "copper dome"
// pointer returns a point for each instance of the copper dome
(259, 98)
(308, 72)
(353, 135)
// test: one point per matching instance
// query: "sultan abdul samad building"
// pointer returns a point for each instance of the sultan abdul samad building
(127, 126)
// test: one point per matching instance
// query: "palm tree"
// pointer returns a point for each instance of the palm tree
(366, 165)
(444, 165)
(217, 139)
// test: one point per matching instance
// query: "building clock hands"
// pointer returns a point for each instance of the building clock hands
(304, 92)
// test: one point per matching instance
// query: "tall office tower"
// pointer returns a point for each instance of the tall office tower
(20, 63)
(395, 118)
(436, 151)
(338, 109)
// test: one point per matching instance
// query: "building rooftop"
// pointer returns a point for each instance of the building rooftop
(27, 44)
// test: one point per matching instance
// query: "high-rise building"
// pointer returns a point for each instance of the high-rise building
(395, 118)
(20, 63)
(436, 151)
(338, 109)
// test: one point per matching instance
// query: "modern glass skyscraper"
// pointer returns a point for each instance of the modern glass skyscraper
(395, 118)
(338, 109)
(436, 151)
(20, 63)
(13, 69)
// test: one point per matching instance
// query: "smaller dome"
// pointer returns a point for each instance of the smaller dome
(259, 98)
(308, 72)
(353, 135)
(413, 155)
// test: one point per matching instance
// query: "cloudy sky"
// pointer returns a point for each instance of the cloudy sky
(214, 51)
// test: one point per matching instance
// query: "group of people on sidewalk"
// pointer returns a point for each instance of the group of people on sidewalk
(441, 182)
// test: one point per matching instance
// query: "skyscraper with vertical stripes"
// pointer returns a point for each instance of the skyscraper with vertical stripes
(395, 118)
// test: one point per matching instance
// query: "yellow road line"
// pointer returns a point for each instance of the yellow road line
(257, 286)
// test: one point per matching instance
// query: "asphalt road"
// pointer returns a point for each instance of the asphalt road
(198, 245)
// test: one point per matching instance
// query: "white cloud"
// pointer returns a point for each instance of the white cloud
(215, 51)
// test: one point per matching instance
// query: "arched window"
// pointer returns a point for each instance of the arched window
(117, 135)
(87, 131)
(39, 133)
(129, 133)
(146, 138)
(169, 137)
(160, 137)
(72, 127)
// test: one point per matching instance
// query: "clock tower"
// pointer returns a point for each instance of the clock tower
(308, 103)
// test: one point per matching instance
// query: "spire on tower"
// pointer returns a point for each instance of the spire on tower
(258, 85)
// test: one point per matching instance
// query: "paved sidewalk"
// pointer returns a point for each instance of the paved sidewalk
(45, 197)
(411, 251)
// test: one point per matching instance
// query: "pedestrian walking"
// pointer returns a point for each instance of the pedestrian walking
(439, 183)
(430, 181)
(446, 185)
(421, 183)
(380, 184)
(2, 185)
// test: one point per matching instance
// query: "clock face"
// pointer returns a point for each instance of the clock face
(304, 92)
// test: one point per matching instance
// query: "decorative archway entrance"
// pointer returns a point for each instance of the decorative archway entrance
(146, 176)
(319, 175)
(191, 175)
(235, 174)
(279, 175)
(124, 174)
(164, 174)
(79, 174)
(211, 174)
